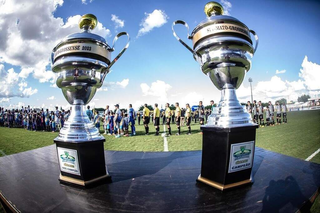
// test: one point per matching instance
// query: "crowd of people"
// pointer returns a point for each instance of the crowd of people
(34, 120)
(117, 122)
(257, 111)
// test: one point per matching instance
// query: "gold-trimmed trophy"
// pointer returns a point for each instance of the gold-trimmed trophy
(82, 61)
(223, 47)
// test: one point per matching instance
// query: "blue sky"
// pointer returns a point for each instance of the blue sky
(156, 68)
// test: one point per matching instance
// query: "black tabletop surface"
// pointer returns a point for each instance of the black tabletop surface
(157, 182)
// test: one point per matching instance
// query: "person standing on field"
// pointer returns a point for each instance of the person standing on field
(107, 111)
(255, 112)
(96, 120)
(168, 117)
(278, 109)
(178, 116)
(156, 116)
(284, 112)
(271, 110)
(201, 113)
(188, 118)
(249, 110)
(132, 119)
(260, 108)
(117, 120)
(146, 118)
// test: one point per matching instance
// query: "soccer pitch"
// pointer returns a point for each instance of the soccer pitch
(299, 138)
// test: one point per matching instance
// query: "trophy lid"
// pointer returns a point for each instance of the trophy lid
(219, 24)
(87, 22)
(84, 43)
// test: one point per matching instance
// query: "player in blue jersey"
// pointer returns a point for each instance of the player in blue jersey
(132, 118)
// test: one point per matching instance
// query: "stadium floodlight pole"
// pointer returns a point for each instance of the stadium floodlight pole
(250, 81)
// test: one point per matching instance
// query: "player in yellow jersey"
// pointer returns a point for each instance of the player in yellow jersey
(188, 118)
(168, 117)
(178, 115)
(156, 118)
(146, 118)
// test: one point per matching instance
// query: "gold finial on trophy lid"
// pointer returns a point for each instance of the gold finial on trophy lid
(213, 8)
(88, 21)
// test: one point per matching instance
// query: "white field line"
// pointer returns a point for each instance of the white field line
(2, 153)
(165, 141)
(312, 156)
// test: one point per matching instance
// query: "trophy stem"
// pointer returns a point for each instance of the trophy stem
(79, 128)
(229, 112)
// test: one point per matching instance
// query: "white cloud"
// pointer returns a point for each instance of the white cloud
(35, 38)
(85, 1)
(29, 91)
(124, 83)
(191, 98)
(158, 89)
(24, 73)
(310, 74)
(226, 7)
(4, 100)
(272, 90)
(155, 19)
(11, 85)
(111, 85)
(118, 22)
(22, 85)
(51, 98)
(280, 72)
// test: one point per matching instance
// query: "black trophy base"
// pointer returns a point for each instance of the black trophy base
(82, 163)
(227, 156)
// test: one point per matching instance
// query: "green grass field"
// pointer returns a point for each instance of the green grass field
(299, 138)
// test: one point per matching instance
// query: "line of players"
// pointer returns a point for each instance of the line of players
(117, 123)
(168, 115)
(201, 113)
(257, 112)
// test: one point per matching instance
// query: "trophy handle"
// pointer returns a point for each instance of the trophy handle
(178, 38)
(256, 38)
(119, 55)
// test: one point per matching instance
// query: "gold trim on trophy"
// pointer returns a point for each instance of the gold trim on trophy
(219, 28)
(222, 186)
(82, 48)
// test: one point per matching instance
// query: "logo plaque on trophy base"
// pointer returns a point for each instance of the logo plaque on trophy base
(223, 47)
(82, 61)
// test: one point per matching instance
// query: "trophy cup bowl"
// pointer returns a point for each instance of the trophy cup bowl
(82, 61)
(223, 47)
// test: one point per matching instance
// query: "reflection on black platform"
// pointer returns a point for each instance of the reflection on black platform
(139, 167)
(281, 192)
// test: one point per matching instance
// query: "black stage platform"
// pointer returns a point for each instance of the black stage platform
(157, 182)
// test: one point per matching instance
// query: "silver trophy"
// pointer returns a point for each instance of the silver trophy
(223, 47)
(82, 61)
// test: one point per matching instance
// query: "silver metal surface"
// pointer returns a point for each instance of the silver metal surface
(225, 57)
(81, 72)
(78, 127)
